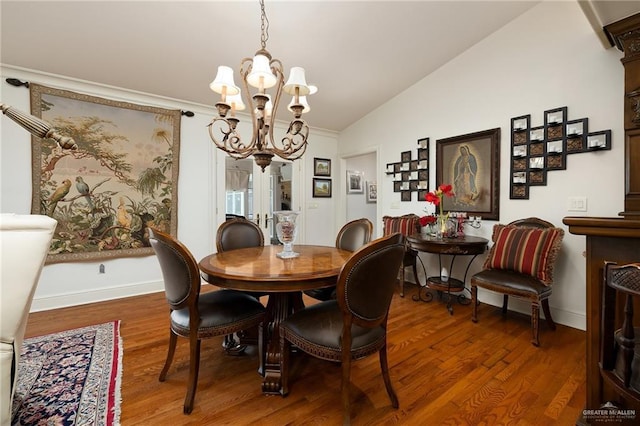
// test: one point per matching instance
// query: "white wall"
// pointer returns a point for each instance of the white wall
(68, 284)
(547, 58)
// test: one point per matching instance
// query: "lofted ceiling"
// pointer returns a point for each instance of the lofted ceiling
(359, 53)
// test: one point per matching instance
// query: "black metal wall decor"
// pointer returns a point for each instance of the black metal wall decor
(411, 175)
(539, 149)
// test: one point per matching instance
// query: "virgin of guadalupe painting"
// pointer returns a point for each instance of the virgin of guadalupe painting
(121, 180)
(464, 178)
(470, 164)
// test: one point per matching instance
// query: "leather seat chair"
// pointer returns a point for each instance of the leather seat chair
(406, 225)
(355, 324)
(24, 244)
(236, 233)
(520, 264)
(620, 345)
(197, 316)
(351, 237)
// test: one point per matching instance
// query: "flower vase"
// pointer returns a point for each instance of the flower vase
(441, 226)
(286, 231)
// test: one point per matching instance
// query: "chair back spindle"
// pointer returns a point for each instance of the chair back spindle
(619, 360)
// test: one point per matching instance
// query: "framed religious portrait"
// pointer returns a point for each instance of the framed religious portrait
(471, 165)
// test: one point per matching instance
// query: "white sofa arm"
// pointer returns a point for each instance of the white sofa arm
(24, 243)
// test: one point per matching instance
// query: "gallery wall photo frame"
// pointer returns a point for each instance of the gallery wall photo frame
(122, 179)
(371, 192)
(321, 188)
(355, 182)
(321, 167)
(471, 165)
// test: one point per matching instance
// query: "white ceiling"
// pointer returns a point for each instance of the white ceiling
(359, 53)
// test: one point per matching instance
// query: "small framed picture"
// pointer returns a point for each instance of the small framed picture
(555, 147)
(520, 123)
(599, 140)
(555, 117)
(355, 182)
(321, 167)
(520, 151)
(536, 163)
(372, 192)
(537, 134)
(321, 188)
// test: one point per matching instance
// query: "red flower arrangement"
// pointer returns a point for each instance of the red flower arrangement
(427, 220)
(435, 197)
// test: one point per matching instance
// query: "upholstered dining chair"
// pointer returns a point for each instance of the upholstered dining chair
(24, 244)
(406, 225)
(355, 324)
(619, 334)
(196, 315)
(351, 237)
(520, 264)
(236, 233)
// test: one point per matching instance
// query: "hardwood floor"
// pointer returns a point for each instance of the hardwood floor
(445, 369)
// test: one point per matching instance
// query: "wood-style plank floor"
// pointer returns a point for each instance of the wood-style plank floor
(446, 371)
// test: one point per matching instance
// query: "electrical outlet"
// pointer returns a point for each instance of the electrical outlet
(577, 204)
(101, 268)
(395, 205)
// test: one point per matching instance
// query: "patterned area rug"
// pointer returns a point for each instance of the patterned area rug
(70, 378)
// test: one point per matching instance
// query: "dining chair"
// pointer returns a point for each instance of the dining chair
(236, 233)
(619, 335)
(406, 225)
(196, 315)
(355, 324)
(520, 264)
(351, 237)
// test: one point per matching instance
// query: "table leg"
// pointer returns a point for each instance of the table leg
(279, 307)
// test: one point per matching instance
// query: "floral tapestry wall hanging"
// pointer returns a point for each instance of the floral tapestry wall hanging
(122, 179)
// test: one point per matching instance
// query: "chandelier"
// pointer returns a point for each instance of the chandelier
(261, 72)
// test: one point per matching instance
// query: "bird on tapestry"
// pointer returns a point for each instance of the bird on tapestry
(58, 195)
(83, 189)
(123, 217)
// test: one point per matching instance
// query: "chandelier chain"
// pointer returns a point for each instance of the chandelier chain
(264, 26)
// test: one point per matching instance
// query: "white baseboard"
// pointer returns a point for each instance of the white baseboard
(560, 316)
(571, 319)
(96, 295)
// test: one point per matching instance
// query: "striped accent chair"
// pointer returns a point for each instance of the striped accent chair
(406, 225)
(520, 264)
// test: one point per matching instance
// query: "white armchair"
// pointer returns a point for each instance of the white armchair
(24, 243)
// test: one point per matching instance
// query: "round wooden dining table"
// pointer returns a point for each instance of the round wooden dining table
(259, 269)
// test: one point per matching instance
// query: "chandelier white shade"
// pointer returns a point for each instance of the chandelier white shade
(261, 76)
(223, 83)
(261, 72)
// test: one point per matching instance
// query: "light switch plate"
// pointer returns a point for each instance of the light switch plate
(577, 204)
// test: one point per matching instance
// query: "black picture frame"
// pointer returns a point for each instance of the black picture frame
(321, 167)
(321, 188)
(477, 188)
